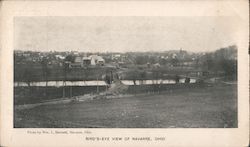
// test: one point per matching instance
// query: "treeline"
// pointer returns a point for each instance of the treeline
(222, 61)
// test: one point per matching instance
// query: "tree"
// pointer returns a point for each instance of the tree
(28, 76)
(45, 72)
(70, 58)
(223, 61)
(141, 59)
(174, 61)
(142, 76)
(65, 73)
(163, 61)
(230, 68)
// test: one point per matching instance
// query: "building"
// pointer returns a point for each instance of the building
(156, 65)
(97, 60)
(60, 57)
(78, 63)
(86, 61)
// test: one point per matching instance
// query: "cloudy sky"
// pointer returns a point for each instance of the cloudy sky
(121, 34)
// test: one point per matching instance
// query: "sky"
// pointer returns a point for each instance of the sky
(124, 33)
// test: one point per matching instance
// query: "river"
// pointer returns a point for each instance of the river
(99, 83)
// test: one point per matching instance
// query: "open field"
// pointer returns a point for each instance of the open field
(206, 107)
(36, 94)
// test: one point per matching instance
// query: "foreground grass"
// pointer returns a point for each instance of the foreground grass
(206, 107)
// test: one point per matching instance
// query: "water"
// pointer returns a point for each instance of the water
(100, 83)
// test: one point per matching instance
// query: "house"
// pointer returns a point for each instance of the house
(86, 61)
(174, 56)
(60, 57)
(100, 61)
(148, 65)
(156, 65)
(188, 63)
(97, 60)
(77, 63)
(116, 56)
(78, 60)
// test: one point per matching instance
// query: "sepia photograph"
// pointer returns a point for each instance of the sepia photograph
(125, 72)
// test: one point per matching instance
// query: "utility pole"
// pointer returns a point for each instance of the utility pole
(64, 89)
(97, 88)
(70, 91)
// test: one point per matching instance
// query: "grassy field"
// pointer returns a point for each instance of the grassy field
(207, 107)
(36, 94)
